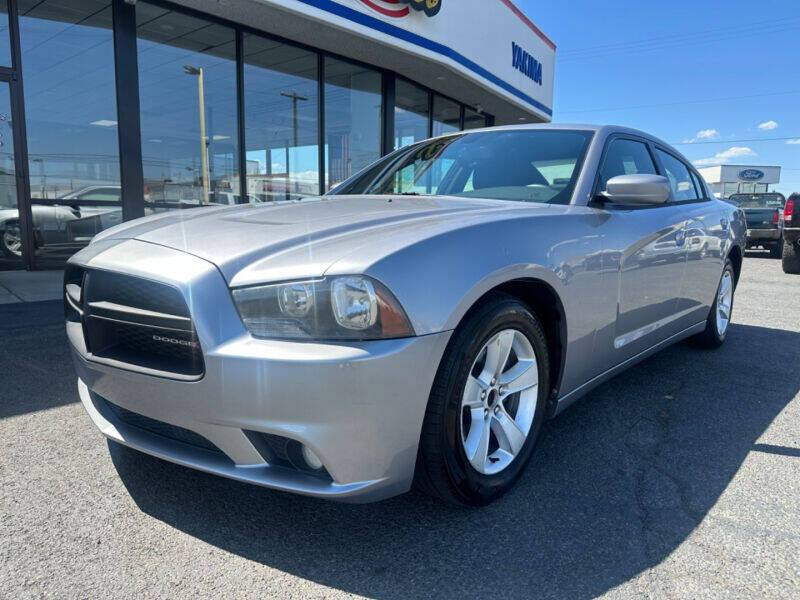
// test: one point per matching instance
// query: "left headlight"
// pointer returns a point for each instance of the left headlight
(351, 307)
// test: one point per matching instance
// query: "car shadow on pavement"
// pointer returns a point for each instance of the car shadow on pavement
(617, 483)
(37, 367)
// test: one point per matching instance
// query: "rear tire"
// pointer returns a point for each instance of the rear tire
(776, 249)
(719, 317)
(790, 260)
(472, 468)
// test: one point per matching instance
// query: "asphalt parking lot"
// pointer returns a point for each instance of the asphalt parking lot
(678, 479)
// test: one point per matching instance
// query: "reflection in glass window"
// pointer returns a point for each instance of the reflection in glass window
(10, 232)
(473, 119)
(187, 94)
(410, 114)
(70, 101)
(446, 116)
(5, 40)
(281, 120)
(626, 157)
(71, 118)
(515, 165)
(679, 178)
(352, 119)
(730, 188)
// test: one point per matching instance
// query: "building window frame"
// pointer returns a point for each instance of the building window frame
(127, 89)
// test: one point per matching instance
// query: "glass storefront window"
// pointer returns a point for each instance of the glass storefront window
(187, 95)
(410, 114)
(473, 119)
(5, 40)
(71, 117)
(352, 119)
(10, 232)
(281, 120)
(446, 116)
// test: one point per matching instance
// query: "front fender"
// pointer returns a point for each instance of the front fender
(438, 279)
(497, 278)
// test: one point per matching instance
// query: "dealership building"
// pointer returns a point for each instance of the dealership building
(114, 109)
(725, 180)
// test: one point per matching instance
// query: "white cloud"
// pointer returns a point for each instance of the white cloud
(797, 141)
(704, 134)
(726, 156)
(768, 126)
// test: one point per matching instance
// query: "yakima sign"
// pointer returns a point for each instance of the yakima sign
(525, 63)
(401, 8)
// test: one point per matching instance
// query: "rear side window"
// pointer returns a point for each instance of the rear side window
(698, 183)
(626, 157)
(680, 178)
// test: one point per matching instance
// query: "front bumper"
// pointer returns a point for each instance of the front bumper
(358, 406)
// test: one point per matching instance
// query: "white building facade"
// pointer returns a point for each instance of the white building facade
(733, 179)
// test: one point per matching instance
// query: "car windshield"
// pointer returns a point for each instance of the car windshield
(520, 165)
(759, 200)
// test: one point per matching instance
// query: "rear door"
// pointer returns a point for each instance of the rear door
(645, 245)
(706, 231)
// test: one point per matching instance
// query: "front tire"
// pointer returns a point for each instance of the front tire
(11, 240)
(487, 405)
(719, 317)
(790, 260)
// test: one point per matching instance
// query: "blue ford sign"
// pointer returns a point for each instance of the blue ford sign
(751, 175)
(524, 62)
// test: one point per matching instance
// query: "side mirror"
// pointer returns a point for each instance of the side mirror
(637, 189)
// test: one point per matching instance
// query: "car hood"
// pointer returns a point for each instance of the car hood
(255, 243)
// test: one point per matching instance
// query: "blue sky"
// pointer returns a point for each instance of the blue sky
(703, 71)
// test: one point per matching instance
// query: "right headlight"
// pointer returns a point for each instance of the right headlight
(350, 307)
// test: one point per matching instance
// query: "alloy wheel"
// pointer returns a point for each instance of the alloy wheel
(12, 240)
(724, 302)
(499, 401)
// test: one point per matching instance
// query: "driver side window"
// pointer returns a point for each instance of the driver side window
(626, 157)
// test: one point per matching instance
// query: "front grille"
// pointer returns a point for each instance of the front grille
(172, 432)
(133, 322)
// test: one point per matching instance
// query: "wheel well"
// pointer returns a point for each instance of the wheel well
(542, 300)
(736, 258)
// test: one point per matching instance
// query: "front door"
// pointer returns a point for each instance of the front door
(646, 256)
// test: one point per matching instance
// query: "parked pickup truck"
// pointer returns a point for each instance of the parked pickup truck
(791, 235)
(763, 213)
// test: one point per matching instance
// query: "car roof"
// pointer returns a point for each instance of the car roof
(603, 131)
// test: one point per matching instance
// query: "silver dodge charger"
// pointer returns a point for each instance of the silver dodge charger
(416, 325)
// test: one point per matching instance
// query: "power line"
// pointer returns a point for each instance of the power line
(673, 37)
(665, 42)
(660, 105)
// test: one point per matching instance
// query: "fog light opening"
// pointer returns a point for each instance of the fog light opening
(312, 461)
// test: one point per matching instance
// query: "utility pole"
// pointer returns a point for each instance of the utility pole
(203, 142)
(295, 99)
